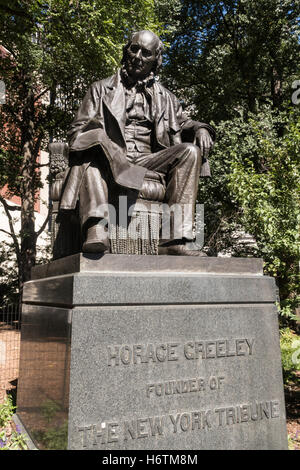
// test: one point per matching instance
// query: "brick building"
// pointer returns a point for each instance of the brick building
(41, 205)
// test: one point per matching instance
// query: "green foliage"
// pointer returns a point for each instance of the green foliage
(16, 441)
(49, 410)
(238, 53)
(56, 49)
(6, 411)
(9, 166)
(290, 355)
(12, 440)
(234, 64)
(264, 182)
(255, 188)
(291, 445)
(60, 47)
(8, 274)
(54, 437)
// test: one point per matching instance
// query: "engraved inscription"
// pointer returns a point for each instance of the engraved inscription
(191, 421)
(174, 387)
(141, 353)
(97, 435)
(220, 348)
(245, 413)
(118, 355)
(144, 427)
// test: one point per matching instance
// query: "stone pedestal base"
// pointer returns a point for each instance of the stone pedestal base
(142, 353)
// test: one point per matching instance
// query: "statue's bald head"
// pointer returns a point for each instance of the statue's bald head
(142, 54)
(148, 38)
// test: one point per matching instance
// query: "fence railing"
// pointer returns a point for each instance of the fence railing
(10, 336)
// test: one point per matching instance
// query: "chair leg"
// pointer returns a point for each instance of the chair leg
(141, 236)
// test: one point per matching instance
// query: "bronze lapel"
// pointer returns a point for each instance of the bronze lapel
(114, 104)
(160, 113)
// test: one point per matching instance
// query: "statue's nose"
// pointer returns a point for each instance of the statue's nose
(139, 53)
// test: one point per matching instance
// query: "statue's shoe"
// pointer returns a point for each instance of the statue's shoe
(94, 247)
(181, 249)
(96, 240)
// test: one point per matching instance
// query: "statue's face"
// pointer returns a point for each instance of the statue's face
(141, 55)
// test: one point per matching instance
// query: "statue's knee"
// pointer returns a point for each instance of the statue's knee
(192, 151)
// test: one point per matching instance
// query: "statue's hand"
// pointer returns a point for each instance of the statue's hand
(203, 141)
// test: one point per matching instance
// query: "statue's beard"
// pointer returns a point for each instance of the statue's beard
(129, 80)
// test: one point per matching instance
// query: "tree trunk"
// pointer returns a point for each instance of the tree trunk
(276, 88)
(28, 188)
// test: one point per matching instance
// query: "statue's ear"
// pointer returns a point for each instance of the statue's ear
(159, 61)
(159, 56)
(124, 53)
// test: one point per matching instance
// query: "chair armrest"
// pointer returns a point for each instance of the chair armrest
(59, 163)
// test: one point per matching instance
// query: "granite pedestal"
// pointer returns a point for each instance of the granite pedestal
(152, 352)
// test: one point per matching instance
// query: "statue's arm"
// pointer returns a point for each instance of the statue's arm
(190, 128)
(86, 113)
(201, 134)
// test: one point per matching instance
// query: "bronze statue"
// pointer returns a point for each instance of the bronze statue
(127, 125)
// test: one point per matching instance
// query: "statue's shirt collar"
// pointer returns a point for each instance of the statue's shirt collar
(139, 85)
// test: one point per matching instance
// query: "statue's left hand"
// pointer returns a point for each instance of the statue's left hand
(204, 141)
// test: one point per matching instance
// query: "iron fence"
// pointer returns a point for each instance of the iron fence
(10, 336)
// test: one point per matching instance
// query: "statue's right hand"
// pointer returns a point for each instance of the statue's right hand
(204, 141)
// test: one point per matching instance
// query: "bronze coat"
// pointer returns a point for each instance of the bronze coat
(100, 120)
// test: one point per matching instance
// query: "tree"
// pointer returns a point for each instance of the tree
(234, 53)
(56, 49)
(234, 63)
(8, 274)
(260, 193)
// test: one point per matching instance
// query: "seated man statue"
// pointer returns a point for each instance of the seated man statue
(128, 124)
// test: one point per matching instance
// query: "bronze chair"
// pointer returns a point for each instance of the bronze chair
(140, 235)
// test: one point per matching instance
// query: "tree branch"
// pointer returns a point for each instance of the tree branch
(41, 165)
(7, 209)
(226, 23)
(41, 94)
(5, 231)
(8, 48)
(42, 228)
